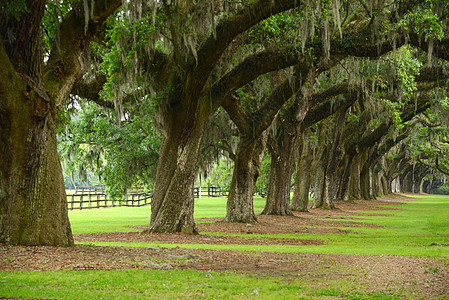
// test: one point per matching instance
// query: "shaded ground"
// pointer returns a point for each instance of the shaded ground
(370, 273)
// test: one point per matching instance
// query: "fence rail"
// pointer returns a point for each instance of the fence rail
(88, 197)
(208, 191)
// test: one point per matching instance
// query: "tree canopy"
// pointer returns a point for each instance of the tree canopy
(347, 99)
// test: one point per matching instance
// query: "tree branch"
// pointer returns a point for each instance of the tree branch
(238, 114)
(212, 49)
(69, 60)
(255, 65)
(90, 90)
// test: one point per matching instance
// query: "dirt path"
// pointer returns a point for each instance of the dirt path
(371, 273)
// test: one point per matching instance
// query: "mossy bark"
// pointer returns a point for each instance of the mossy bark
(172, 206)
(249, 155)
(278, 196)
(33, 204)
(303, 178)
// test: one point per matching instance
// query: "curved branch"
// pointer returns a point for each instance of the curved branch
(212, 49)
(439, 168)
(324, 110)
(69, 59)
(254, 66)
(238, 114)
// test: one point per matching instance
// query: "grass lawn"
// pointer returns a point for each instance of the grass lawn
(419, 229)
(118, 219)
(172, 284)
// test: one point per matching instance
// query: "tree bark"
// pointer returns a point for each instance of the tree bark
(249, 155)
(320, 183)
(303, 179)
(319, 164)
(345, 179)
(278, 196)
(33, 202)
(172, 206)
(355, 176)
(330, 188)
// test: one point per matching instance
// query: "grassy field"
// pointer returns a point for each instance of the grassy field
(172, 284)
(421, 229)
(118, 219)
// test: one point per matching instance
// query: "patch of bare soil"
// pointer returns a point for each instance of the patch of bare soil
(413, 276)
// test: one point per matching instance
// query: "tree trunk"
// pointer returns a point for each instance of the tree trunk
(240, 207)
(303, 179)
(319, 165)
(33, 202)
(367, 183)
(330, 188)
(355, 177)
(172, 206)
(320, 183)
(278, 197)
(344, 180)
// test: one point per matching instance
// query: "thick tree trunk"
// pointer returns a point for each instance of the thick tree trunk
(278, 197)
(330, 188)
(344, 180)
(240, 207)
(320, 183)
(172, 206)
(303, 178)
(367, 184)
(33, 203)
(355, 177)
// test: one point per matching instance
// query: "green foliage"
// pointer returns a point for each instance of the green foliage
(352, 118)
(407, 68)
(264, 177)
(428, 141)
(55, 12)
(221, 174)
(17, 7)
(279, 30)
(427, 23)
(442, 190)
(122, 153)
(423, 21)
(127, 40)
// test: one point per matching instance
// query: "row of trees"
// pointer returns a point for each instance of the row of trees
(348, 97)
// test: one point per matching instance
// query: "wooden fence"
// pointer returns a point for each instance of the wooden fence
(85, 198)
(208, 191)
(88, 197)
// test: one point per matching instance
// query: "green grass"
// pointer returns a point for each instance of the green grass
(118, 219)
(171, 284)
(420, 229)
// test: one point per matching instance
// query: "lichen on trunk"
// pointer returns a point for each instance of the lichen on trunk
(33, 202)
(249, 155)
